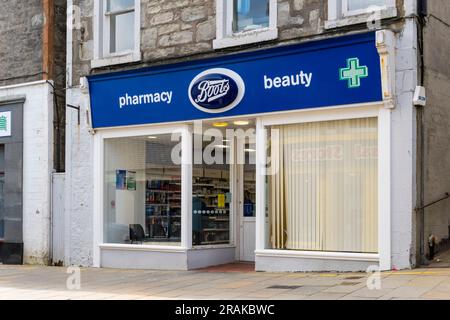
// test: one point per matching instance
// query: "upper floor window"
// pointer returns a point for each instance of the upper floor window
(242, 22)
(346, 12)
(250, 15)
(116, 32)
(119, 15)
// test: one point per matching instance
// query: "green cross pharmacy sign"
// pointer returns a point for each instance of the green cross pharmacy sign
(353, 73)
(5, 124)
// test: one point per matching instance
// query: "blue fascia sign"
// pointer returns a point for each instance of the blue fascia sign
(332, 72)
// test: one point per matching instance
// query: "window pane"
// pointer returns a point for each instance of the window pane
(354, 5)
(116, 5)
(122, 32)
(211, 193)
(322, 195)
(142, 191)
(2, 188)
(250, 14)
(250, 179)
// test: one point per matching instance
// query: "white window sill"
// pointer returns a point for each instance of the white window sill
(116, 59)
(243, 38)
(358, 19)
(213, 247)
(318, 255)
(137, 247)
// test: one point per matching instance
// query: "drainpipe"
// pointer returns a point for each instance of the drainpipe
(48, 34)
(421, 14)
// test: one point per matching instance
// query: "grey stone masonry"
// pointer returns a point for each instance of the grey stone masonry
(21, 25)
(21, 54)
(186, 28)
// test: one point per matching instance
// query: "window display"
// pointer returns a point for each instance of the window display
(211, 199)
(142, 191)
(163, 209)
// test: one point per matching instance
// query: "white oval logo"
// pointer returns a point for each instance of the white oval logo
(216, 90)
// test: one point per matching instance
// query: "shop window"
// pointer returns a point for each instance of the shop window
(142, 191)
(245, 21)
(211, 192)
(322, 187)
(346, 12)
(2, 188)
(116, 32)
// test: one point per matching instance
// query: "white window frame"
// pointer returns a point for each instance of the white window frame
(383, 257)
(225, 37)
(102, 56)
(339, 15)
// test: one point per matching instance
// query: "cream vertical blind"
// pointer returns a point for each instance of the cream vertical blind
(323, 195)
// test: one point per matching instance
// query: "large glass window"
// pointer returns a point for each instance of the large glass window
(121, 17)
(211, 191)
(250, 15)
(143, 191)
(322, 186)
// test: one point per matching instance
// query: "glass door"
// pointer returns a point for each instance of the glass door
(247, 189)
(211, 190)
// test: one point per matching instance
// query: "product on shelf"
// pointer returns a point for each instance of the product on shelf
(163, 209)
(211, 214)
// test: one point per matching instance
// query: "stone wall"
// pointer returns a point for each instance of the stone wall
(172, 30)
(21, 25)
(21, 50)
(437, 118)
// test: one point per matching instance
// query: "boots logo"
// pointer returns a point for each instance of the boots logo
(216, 90)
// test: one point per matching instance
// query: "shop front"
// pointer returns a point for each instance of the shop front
(279, 156)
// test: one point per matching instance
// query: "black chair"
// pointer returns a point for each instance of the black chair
(137, 233)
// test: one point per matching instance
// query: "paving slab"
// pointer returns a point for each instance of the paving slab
(49, 283)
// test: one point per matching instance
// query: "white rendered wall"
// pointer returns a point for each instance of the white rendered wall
(79, 183)
(37, 166)
(403, 163)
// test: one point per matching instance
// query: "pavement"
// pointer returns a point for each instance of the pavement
(222, 283)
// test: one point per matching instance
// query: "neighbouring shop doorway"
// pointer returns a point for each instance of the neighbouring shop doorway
(2, 188)
(11, 182)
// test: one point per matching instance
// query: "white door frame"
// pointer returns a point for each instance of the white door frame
(239, 203)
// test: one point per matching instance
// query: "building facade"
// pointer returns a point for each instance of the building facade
(304, 108)
(32, 71)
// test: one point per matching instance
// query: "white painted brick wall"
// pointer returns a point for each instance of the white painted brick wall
(403, 186)
(37, 167)
(79, 184)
